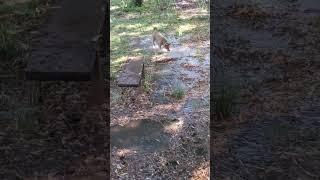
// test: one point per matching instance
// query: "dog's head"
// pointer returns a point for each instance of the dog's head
(167, 46)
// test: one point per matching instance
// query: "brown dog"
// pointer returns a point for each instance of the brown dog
(160, 39)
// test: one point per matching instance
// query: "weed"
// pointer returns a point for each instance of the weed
(224, 102)
(19, 14)
(26, 119)
(178, 92)
(8, 42)
(5, 101)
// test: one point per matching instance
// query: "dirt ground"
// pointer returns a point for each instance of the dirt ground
(58, 137)
(270, 49)
(153, 134)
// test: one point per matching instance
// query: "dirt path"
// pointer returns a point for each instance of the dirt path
(155, 135)
(276, 134)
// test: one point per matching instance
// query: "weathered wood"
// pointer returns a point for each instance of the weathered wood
(64, 49)
(132, 73)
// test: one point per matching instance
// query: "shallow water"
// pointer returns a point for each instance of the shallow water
(142, 135)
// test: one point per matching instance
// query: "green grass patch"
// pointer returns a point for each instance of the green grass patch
(178, 91)
(14, 20)
(26, 119)
(8, 42)
(224, 101)
(223, 105)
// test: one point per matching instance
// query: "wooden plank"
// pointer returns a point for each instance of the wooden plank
(64, 48)
(132, 73)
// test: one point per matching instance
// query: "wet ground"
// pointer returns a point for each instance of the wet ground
(155, 133)
(270, 49)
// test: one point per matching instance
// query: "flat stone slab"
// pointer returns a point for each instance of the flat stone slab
(64, 48)
(132, 72)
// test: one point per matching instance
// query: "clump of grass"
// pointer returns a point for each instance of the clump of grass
(178, 92)
(225, 96)
(18, 14)
(8, 42)
(5, 101)
(224, 102)
(26, 119)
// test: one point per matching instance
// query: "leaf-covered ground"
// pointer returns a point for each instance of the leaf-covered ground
(59, 137)
(270, 50)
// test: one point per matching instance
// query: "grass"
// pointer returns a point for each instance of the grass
(26, 119)
(178, 92)
(8, 42)
(128, 22)
(224, 100)
(5, 101)
(223, 104)
(14, 20)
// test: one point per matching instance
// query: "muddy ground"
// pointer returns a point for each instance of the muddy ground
(270, 50)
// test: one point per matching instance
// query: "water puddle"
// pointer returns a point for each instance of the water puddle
(142, 135)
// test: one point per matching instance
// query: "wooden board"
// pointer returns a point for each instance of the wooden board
(64, 48)
(132, 73)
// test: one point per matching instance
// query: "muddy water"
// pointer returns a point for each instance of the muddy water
(143, 136)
